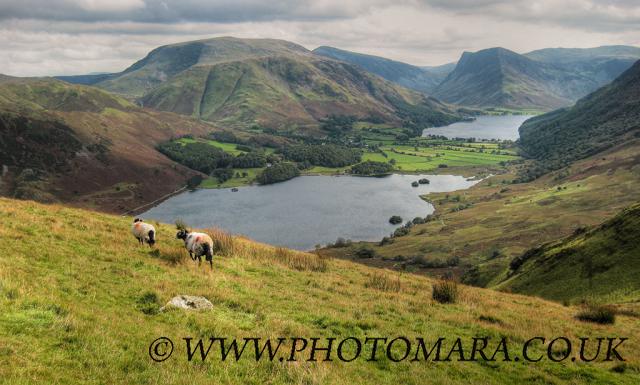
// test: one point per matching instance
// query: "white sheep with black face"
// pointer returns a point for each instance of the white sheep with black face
(144, 232)
(197, 244)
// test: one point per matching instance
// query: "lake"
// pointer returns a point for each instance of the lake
(308, 210)
(483, 127)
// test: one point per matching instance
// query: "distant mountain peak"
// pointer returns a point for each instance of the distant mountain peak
(420, 79)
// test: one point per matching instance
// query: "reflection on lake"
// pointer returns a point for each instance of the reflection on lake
(308, 210)
(483, 127)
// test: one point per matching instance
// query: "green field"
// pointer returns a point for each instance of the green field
(231, 148)
(430, 158)
(418, 155)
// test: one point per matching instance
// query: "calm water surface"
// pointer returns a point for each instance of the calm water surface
(483, 127)
(308, 210)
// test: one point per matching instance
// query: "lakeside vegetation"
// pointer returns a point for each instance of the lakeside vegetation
(361, 148)
(491, 224)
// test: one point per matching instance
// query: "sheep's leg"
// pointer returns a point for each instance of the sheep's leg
(191, 256)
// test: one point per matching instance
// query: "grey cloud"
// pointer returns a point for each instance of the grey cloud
(589, 15)
(172, 11)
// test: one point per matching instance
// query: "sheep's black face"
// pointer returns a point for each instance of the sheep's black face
(182, 234)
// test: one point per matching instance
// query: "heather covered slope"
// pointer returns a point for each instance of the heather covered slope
(273, 83)
(497, 77)
(84, 309)
(608, 116)
(82, 145)
(599, 263)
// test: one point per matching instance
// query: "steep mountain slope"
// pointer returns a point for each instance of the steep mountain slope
(406, 75)
(273, 83)
(82, 145)
(99, 314)
(602, 64)
(497, 77)
(164, 62)
(602, 119)
(598, 263)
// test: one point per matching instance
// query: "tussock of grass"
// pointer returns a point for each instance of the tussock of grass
(148, 303)
(223, 243)
(172, 255)
(445, 291)
(383, 282)
(228, 245)
(490, 319)
(601, 314)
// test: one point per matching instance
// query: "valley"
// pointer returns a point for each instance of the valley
(345, 194)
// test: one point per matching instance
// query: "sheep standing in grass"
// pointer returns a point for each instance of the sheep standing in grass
(144, 232)
(197, 244)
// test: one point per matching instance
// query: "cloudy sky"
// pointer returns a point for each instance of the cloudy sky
(62, 37)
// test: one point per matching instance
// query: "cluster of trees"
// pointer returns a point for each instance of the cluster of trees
(338, 124)
(328, 155)
(211, 160)
(250, 160)
(197, 156)
(371, 168)
(278, 172)
(225, 136)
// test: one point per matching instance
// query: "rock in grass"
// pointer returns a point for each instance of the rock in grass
(189, 302)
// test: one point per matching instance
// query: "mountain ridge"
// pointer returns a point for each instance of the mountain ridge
(271, 83)
(497, 77)
(417, 78)
(596, 122)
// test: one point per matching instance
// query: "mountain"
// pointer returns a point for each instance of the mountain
(424, 79)
(606, 117)
(272, 83)
(82, 145)
(602, 64)
(440, 71)
(593, 263)
(100, 313)
(497, 77)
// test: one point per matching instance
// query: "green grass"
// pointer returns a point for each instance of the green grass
(78, 300)
(429, 158)
(227, 147)
(598, 264)
(212, 182)
(430, 154)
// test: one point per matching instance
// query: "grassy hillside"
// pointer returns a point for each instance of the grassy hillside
(80, 144)
(500, 221)
(79, 303)
(607, 117)
(404, 74)
(497, 77)
(595, 263)
(272, 83)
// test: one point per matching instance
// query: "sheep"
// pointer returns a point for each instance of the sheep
(144, 232)
(197, 244)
